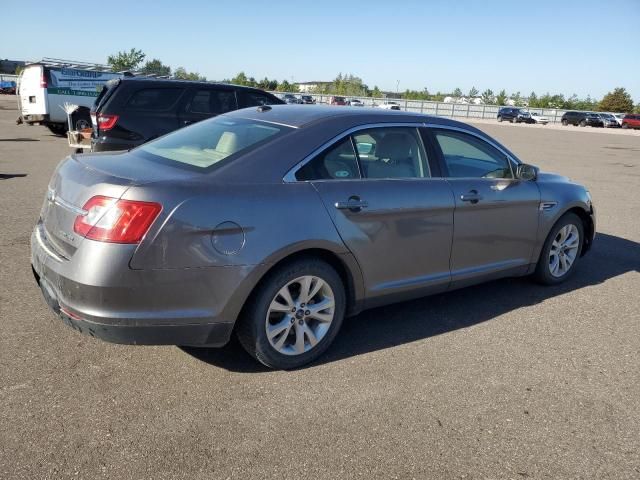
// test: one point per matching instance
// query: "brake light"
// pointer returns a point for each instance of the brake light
(43, 81)
(106, 122)
(116, 221)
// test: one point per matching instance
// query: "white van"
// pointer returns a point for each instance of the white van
(44, 87)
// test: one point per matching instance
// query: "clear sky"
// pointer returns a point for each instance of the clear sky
(560, 46)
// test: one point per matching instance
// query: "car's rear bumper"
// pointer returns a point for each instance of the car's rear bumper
(171, 307)
(35, 118)
(107, 144)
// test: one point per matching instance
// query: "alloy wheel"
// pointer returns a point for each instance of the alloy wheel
(564, 250)
(300, 315)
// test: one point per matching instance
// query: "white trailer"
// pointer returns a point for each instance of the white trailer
(44, 87)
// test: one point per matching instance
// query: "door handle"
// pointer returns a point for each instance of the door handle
(354, 204)
(187, 122)
(473, 196)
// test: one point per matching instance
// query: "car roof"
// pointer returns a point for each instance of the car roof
(176, 81)
(299, 116)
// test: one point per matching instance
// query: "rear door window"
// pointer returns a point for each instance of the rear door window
(339, 162)
(393, 152)
(209, 101)
(154, 99)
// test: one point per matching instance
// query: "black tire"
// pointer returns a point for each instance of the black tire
(57, 129)
(499, 118)
(625, 126)
(543, 271)
(251, 331)
(564, 122)
(583, 123)
(513, 120)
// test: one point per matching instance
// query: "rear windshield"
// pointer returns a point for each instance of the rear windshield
(208, 142)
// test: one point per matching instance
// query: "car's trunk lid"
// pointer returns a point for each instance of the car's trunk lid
(80, 177)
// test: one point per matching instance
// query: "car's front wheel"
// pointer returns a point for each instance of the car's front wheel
(561, 250)
(294, 315)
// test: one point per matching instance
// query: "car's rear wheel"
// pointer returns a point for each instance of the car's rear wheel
(499, 118)
(294, 315)
(561, 250)
(583, 123)
(513, 120)
(625, 126)
(565, 123)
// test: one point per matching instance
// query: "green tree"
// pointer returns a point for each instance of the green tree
(518, 99)
(457, 93)
(617, 101)
(637, 109)
(533, 100)
(487, 96)
(501, 98)
(376, 93)
(473, 92)
(156, 67)
(181, 74)
(240, 79)
(126, 61)
(285, 86)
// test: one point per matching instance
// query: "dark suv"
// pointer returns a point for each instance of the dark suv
(515, 115)
(582, 119)
(131, 111)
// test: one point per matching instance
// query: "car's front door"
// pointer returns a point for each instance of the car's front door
(496, 215)
(393, 216)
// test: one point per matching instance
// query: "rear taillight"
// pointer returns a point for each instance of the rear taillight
(116, 221)
(43, 81)
(106, 122)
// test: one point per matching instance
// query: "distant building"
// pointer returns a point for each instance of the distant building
(306, 87)
(10, 66)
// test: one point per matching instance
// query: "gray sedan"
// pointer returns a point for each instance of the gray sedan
(274, 223)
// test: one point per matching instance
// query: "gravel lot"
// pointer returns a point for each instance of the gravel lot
(504, 380)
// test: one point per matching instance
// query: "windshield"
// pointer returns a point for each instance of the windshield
(210, 141)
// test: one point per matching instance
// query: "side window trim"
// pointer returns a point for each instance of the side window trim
(511, 160)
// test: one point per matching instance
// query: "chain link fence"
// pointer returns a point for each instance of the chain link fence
(442, 109)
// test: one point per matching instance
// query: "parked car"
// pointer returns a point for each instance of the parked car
(515, 115)
(618, 117)
(631, 121)
(131, 111)
(537, 118)
(307, 100)
(189, 238)
(337, 101)
(7, 87)
(354, 102)
(582, 119)
(390, 105)
(291, 99)
(608, 120)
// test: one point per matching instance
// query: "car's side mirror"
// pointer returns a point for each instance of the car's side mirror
(526, 172)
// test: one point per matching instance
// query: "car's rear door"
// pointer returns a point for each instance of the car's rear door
(145, 111)
(394, 217)
(496, 215)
